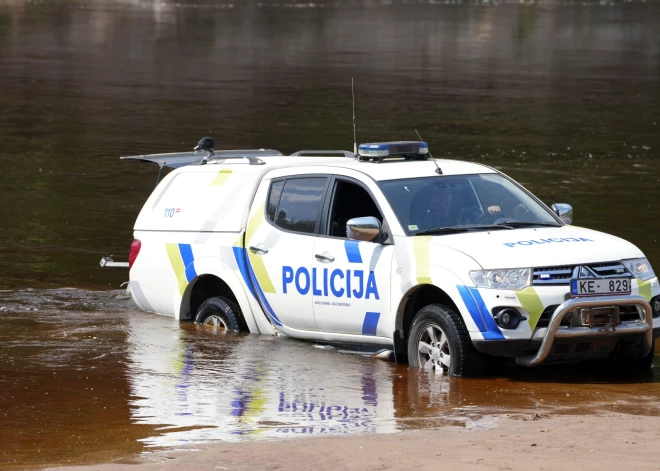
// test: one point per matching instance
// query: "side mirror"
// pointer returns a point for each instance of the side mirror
(364, 229)
(564, 211)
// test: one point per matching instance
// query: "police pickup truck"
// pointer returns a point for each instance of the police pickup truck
(440, 261)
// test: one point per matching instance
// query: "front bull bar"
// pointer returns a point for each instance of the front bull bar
(553, 330)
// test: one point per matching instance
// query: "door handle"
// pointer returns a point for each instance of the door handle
(325, 257)
(258, 249)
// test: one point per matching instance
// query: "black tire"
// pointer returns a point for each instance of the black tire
(453, 353)
(626, 363)
(222, 313)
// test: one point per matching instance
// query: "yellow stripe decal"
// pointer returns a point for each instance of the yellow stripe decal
(177, 264)
(257, 262)
(222, 177)
(531, 303)
(255, 221)
(422, 255)
(644, 289)
(260, 272)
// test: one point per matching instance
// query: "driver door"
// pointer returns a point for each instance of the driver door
(351, 279)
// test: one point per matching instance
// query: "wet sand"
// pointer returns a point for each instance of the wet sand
(516, 442)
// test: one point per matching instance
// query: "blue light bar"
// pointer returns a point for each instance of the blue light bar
(380, 150)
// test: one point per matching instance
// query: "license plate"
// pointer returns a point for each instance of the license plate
(601, 287)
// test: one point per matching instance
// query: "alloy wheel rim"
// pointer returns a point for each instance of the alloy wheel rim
(433, 351)
(216, 322)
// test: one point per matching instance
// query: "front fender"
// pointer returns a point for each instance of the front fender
(467, 299)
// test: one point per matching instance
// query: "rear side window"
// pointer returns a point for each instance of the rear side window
(274, 199)
(299, 203)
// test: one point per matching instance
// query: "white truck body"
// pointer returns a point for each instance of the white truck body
(206, 231)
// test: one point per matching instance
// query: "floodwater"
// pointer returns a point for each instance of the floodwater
(87, 378)
(562, 96)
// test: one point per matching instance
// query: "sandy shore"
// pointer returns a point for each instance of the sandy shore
(523, 442)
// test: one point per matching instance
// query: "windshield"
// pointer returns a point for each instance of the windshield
(463, 202)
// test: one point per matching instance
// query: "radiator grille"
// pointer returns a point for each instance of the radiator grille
(561, 275)
(627, 313)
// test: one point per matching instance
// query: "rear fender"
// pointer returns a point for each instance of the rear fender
(257, 322)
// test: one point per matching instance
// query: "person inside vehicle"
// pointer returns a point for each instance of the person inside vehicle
(448, 210)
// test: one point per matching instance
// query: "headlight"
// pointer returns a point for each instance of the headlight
(515, 279)
(640, 268)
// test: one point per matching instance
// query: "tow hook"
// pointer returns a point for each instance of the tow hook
(609, 328)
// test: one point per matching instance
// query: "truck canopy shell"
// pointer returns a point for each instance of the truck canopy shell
(208, 198)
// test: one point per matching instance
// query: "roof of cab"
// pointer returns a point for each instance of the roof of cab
(387, 170)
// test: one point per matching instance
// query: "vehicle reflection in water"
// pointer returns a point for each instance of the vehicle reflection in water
(213, 386)
(202, 385)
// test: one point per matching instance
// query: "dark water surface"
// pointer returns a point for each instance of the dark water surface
(84, 378)
(564, 97)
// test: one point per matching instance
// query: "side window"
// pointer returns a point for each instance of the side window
(300, 204)
(274, 199)
(350, 201)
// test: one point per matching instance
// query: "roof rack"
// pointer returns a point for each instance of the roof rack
(345, 153)
(201, 155)
(182, 159)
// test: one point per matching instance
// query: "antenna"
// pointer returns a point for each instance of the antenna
(354, 137)
(437, 168)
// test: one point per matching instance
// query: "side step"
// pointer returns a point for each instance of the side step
(382, 354)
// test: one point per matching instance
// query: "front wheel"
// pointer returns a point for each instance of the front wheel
(627, 363)
(440, 342)
(222, 314)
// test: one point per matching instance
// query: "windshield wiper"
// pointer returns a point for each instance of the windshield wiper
(518, 224)
(456, 230)
(442, 230)
(503, 225)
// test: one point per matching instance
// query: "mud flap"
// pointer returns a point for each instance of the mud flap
(400, 347)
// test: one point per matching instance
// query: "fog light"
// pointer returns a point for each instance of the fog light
(508, 318)
(655, 304)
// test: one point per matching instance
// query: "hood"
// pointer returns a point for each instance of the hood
(539, 247)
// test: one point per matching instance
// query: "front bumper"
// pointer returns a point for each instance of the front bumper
(642, 328)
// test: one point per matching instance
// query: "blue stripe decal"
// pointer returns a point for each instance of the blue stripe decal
(370, 323)
(353, 251)
(239, 255)
(479, 313)
(251, 281)
(262, 297)
(472, 307)
(188, 261)
(493, 331)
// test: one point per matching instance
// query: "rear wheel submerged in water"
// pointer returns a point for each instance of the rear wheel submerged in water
(439, 341)
(221, 313)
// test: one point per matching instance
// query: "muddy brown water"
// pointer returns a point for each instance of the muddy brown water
(86, 378)
(562, 96)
